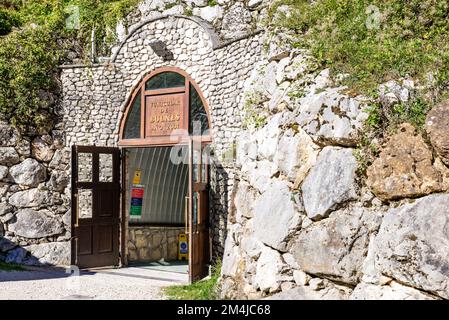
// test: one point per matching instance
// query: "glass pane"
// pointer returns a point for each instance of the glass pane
(132, 126)
(85, 167)
(165, 80)
(105, 167)
(85, 203)
(198, 116)
(164, 181)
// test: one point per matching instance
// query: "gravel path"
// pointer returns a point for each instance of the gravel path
(104, 284)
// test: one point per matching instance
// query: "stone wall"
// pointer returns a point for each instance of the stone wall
(147, 244)
(305, 222)
(35, 201)
(95, 96)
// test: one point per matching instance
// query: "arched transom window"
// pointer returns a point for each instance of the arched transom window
(165, 108)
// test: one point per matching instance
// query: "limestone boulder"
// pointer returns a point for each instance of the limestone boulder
(295, 155)
(251, 246)
(336, 247)
(6, 244)
(231, 258)
(5, 208)
(41, 150)
(8, 135)
(331, 118)
(392, 291)
(54, 253)
(244, 200)
(277, 215)
(210, 13)
(28, 173)
(35, 224)
(413, 242)
(268, 271)
(8, 156)
(328, 291)
(404, 167)
(3, 172)
(59, 180)
(437, 124)
(236, 21)
(31, 198)
(61, 159)
(330, 182)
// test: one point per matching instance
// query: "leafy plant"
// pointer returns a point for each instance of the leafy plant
(34, 40)
(201, 290)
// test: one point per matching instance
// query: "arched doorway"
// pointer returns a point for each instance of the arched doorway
(163, 145)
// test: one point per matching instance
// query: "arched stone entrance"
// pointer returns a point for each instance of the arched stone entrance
(163, 147)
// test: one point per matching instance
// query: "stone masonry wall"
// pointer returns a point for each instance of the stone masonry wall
(34, 198)
(95, 97)
(153, 243)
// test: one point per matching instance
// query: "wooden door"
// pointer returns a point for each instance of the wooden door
(199, 242)
(95, 206)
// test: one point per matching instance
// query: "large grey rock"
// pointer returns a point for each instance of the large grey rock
(3, 172)
(28, 173)
(413, 243)
(331, 118)
(268, 271)
(236, 21)
(329, 292)
(392, 291)
(244, 199)
(6, 244)
(16, 255)
(330, 182)
(41, 150)
(295, 155)
(54, 253)
(61, 159)
(59, 180)
(210, 14)
(277, 215)
(8, 136)
(35, 224)
(251, 246)
(8, 156)
(336, 247)
(231, 257)
(30, 198)
(5, 208)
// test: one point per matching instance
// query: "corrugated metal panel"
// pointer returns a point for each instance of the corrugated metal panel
(165, 184)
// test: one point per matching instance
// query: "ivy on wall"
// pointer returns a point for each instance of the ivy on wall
(35, 38)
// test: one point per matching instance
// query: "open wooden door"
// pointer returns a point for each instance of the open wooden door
(95, 206)
(198, 218)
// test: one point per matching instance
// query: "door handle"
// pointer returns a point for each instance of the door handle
(186, 214)
(77, 211)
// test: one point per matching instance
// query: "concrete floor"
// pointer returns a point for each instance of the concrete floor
(132, 283)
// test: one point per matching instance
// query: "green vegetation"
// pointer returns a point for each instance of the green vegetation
(201, 290)
(35, 39)
(10, 267)
(371, 42)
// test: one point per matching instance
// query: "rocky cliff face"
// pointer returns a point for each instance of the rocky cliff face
(305, 223)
